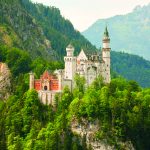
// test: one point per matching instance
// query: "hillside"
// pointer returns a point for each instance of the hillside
(114, 117)
(129, 33)
(131, 67)
(38, 29)
(19, 29)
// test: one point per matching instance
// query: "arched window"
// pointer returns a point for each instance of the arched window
(45, 88)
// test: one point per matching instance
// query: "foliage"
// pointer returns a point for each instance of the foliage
(40, 30)
(122, 109)
(131, 67)
(56, 28)
(44, 33)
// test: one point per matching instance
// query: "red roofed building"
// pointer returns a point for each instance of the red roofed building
(47, 82)
(47, 86)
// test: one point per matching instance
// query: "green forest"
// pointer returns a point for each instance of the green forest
(122, 109)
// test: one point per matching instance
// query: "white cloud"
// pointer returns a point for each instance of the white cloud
(82, 13)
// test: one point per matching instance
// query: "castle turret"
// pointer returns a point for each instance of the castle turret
(31, 80)
(106, 56)
(70, 63)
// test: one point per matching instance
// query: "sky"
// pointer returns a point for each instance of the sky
(83, 13)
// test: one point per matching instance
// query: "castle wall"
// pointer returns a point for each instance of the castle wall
(48, 97)
(37, 85)
(70, 67)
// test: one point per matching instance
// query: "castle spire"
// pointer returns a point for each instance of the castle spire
(106, 56)
(106, 33)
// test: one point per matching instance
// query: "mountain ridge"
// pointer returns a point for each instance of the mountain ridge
(128, 33)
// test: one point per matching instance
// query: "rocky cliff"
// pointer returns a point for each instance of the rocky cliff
(87, 131)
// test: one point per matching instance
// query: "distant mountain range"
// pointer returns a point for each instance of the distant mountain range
(129, 33)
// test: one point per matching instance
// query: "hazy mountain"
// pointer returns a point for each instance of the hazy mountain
(129, 33)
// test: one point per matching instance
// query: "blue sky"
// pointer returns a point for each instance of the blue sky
(83, 13)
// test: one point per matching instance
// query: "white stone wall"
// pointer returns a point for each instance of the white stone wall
(106, 45)
(106, 58)
(70, 67)
(82, 56)
(48, 97)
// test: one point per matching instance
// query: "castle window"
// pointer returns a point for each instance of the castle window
(45, 88)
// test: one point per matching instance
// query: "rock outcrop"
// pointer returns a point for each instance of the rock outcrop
(86, 130)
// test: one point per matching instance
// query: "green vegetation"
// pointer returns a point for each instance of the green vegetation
(131, 67)
(121, 107)
(56, 28)
(38, 29)
(20, 64)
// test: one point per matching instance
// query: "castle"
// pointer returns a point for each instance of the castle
(88, 66)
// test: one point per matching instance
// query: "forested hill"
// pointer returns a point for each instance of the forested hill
(129, 33)
(131, 67)
(19, 29)
(38, 29)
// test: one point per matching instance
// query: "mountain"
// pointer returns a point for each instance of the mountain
(19, 29)
(38, 29)
(129, 33)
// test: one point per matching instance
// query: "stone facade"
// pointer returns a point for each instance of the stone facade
(89, 66)
(5, 81)
(47, 86)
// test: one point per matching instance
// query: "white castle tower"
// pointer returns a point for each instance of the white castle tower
(106, 56)
(70, 63)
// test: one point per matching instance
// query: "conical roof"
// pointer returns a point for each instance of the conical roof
(106, 33)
